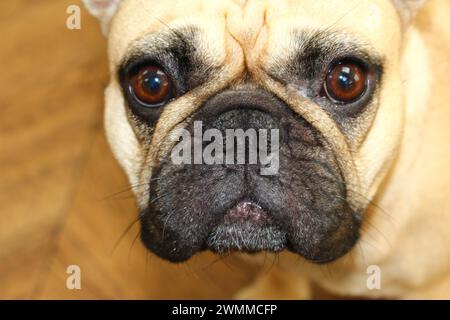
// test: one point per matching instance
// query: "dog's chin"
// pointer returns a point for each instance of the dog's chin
(245, 227)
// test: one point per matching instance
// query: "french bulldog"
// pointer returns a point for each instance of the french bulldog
(344, 94)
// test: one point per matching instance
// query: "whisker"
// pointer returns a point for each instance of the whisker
(165, 223)
(132, 245)
(335, 22)
(221, 258)
(127, 229)
(128, 189)
(369, 201)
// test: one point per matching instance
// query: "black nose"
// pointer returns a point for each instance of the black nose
(252, 118)
(236, 107)
(246, 130)
(244, 117)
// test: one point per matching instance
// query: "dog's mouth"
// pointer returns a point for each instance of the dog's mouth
(247, 210)
(246, 227)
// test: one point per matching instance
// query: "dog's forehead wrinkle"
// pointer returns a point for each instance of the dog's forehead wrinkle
(241, 3)
(244, 23)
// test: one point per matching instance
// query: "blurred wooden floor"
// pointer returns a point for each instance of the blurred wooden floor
(59, 184)
(58, 179)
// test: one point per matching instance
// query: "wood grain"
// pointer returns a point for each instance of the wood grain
(57, 174)
(63, 198)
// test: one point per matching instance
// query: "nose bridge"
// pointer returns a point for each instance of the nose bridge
(253, 112)
(246, 23)
(244, 118)
(242, 99)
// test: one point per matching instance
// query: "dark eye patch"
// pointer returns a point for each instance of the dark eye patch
(174, 52)
(308, 64)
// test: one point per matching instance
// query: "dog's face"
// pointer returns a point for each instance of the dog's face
(323, 77)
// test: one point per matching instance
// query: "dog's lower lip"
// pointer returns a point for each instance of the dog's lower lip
(247, 210)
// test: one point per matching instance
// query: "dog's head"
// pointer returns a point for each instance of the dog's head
(309, 90)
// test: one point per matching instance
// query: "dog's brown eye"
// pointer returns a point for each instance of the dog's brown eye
(151, 86)
(346, 82)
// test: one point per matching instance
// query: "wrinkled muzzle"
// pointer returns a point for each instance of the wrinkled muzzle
(248, 174)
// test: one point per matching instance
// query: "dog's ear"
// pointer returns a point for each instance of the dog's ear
(408, 9)
(103, 10)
